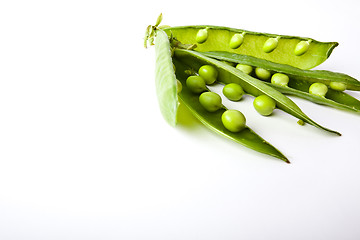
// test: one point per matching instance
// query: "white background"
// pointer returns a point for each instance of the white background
(86, 154)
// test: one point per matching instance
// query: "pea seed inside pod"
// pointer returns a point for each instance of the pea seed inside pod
(208, 73)
(233, 91)
(337, 86)
(264, 105)
(301, 48)
(318, 89)
(196, 84)
(202, 35)
(270, 44)
(210, 101)
(262, 73)
(236, 40)
(178, 86)
(280, 79)
(233, 120)
(247, 69)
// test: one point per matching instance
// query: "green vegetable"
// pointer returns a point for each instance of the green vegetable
(335, 99)
(338, 86)
(251, 43)
(293, 73)
(196, 84)
(236, 40)
(184, 65)
(301, 81)
(262, 73)
(280, 79)
(244, 68)
(247, 137)
(202, 35)
(233, 91)
(264, 105)
(165, 80)
(229, 74)
(302, 47)
(210, 101)
(270, 44)
(233, 120)
(208, 73)
(178, 86)
(318, 89)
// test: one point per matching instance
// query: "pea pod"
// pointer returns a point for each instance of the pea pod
(165, 79)
(301, 81)
(166, 88)
(335, 99)
(322, 76)
(229, 74)
(212, 120)
(304, 53)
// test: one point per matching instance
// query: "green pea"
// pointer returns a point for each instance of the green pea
(236, 40)
(301, 122)
(178, 86)
(202, 35)
(280, 79)
(233, 91)
(208, 73)
(233, 120)
(210, 101)
(301, 48)
(244, 68)
(262, 73)
(318, 89)
(264, 105)
(196, 84)
(338, 86)
(270, 44)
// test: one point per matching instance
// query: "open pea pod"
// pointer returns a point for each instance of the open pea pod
(312, 76)
(253, 86)
(212, 120)
(335, 99)
(304, 53)
(300, 81)
(165, 79)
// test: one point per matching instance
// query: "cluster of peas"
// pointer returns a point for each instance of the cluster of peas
(280, 79)
(269, 45)
(233, 120)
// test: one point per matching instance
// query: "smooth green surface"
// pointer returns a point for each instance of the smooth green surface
(300, 81)
(233, 120)
(335, 99)
(337, 86)
(247, 137)
(165, 80)
(262, 73)
(233, 91)
(196, 84)
(301, 48)
(255, 87)
(270, 45)
(244, 68)
(318, 89)
(201, 36)
(280, 79)
(322, 76)
(236, 40)
(210, 101)
(264, 105)
(208, 73)
(253, 42)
